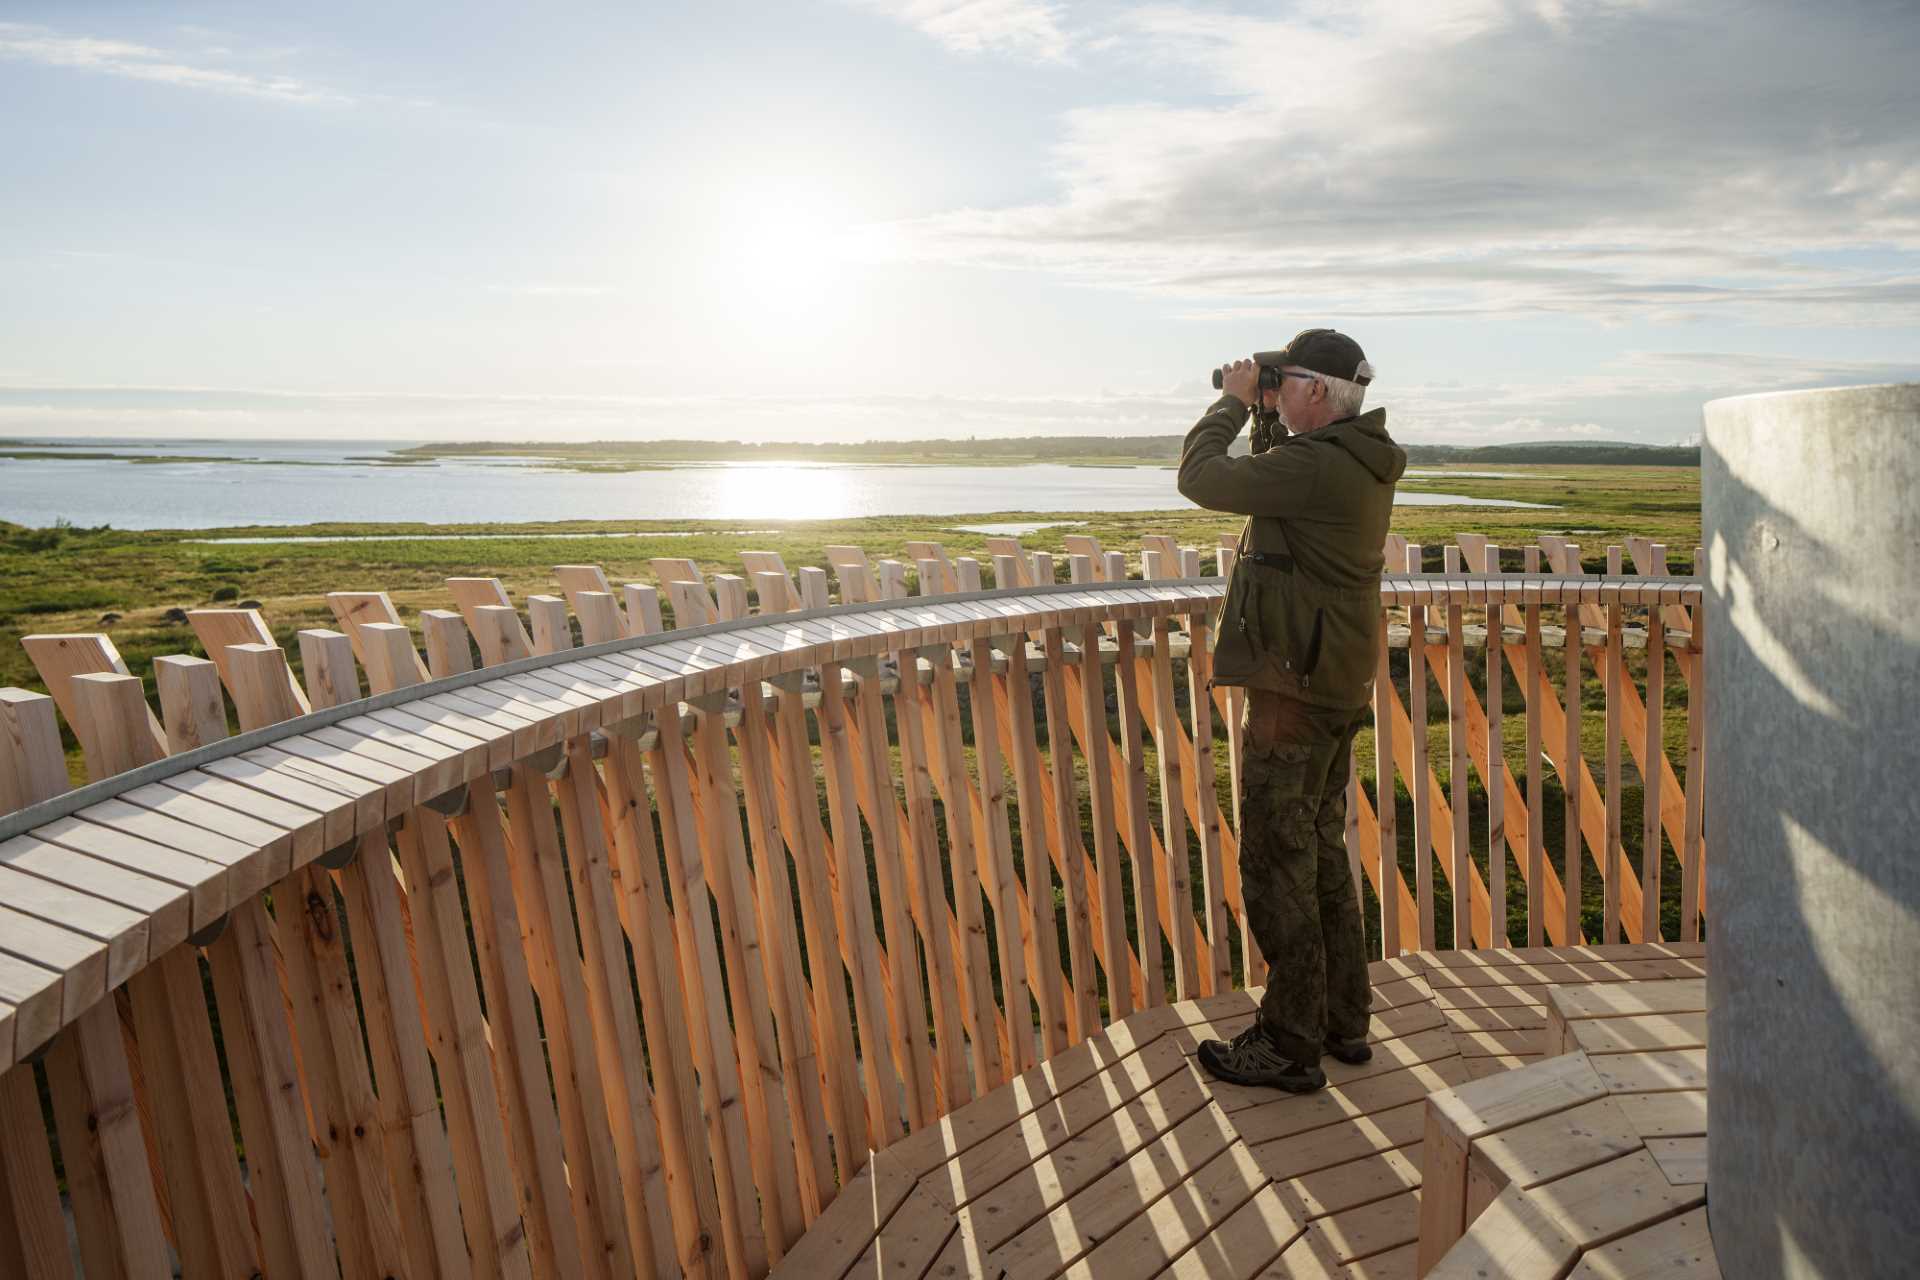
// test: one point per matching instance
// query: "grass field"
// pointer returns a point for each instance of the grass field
(65, 580)
(69, 579)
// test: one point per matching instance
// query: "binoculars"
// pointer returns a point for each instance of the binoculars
(1269, 378)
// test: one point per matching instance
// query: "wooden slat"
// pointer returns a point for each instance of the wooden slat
(1115, 955)
(182, 1072)
(769, 1124)
(1387, 821)
(1189, 774)
(1097, 1210)
(1013, 702)
(780, 957)
(1571, 766)
(616, 1026)
(1654, 748)
(163, 906)
(953, 1002)
(1184, 1216)
(1608, 1200)
(1613, 860)
(697, 1222)
(1418, 774)
(1025, 1204)
(284, 1179)
(33, 1231)
(1553, 1146)
(1692, 849)
(1536, 861)
(1233, 700)
(1678, 1249)
(907, 1014)
(854, 912)
(1189, 979)
(993, 827)
(112, 932)
(711, 1036)
(1251, 1237)
(29, 772)
(987, 1146)
(61, 658)
(1514, 1237)
(556, 1237)
(1495, 773)
(973, 876)
(1138, 823)
(104, 1155)
(320, 987)
(800, 823)
(421, 1159)
(1459, 775)
(867, 1204)
(221, 629)
(177, 1057)
(1371, 848)
(547, 901)
(616, 1031)
(1206, 813)
(1083, 1005)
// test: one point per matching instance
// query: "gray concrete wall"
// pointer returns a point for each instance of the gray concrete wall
(1811, 506)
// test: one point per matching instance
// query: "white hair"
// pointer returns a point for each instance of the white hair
(1343, 397)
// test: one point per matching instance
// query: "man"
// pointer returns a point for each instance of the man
(1299, 629)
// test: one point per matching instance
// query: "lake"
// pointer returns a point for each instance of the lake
(298, 482)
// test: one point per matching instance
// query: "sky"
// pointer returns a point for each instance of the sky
(886, 219)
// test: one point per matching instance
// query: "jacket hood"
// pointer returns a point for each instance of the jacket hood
(1366, 439)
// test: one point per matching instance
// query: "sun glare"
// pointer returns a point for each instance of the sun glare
(782, 253)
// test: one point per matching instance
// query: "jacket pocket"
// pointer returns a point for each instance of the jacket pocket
(1239, 647)
(1310, 662)
(1268, 637)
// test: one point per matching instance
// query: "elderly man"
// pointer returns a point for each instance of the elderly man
(1299, 629)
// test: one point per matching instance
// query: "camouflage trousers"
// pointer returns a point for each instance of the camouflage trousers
(1294, 873)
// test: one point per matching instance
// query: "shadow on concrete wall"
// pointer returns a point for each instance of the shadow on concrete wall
(1813, 804)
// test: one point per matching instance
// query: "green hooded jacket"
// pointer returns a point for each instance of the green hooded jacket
(1303, 617)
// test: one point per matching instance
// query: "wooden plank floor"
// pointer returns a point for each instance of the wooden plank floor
(1121, 1158)
(1590, 1163)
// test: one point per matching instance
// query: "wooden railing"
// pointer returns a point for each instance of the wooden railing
(623, 958)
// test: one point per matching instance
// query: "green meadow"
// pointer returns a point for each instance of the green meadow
(127, 584)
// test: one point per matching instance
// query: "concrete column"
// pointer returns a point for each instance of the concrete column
(1811, 506)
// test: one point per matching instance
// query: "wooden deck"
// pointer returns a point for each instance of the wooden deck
(1121, 1158)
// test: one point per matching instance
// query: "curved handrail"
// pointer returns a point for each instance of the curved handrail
(858, 629)
(918, 1035)
(655, 692)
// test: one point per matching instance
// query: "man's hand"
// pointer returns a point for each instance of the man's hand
(1241, 380)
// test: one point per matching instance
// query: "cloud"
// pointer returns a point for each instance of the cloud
(1026, 29)
(1624, 160)
(23, 43)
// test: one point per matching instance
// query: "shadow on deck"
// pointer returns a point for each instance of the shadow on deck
(1121, 1158)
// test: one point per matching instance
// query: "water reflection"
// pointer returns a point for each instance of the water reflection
(292, 483)
(781, 491)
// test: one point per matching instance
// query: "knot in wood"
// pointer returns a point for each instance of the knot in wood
(320, 911)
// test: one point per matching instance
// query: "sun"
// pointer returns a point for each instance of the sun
(782, 251)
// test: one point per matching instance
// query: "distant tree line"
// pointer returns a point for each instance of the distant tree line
(1044, 448)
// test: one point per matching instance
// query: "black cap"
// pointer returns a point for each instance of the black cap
(1325, 351)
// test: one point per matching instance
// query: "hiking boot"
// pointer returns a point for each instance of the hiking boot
(1351, 1052)
(1252, 1059)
